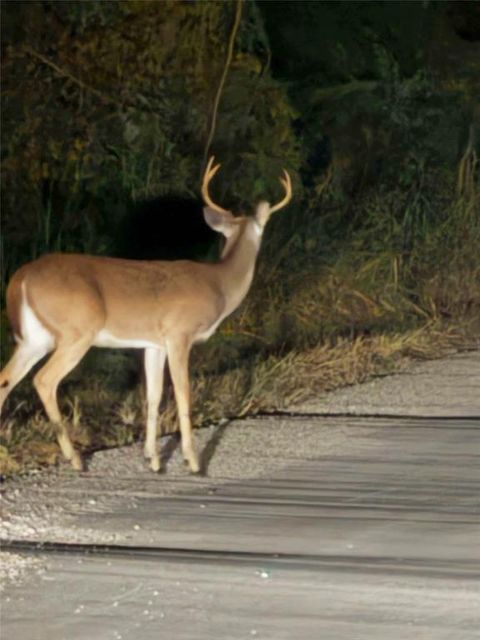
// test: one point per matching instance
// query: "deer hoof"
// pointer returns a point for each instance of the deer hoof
(194, 466)
(77, 462)
(155, 464)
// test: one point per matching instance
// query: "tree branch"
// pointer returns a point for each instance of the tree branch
(63, 72)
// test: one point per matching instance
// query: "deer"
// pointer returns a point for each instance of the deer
(64, 303)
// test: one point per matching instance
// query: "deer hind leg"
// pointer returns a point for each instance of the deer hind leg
(24, 357)
(46, 382)
(154, 370)
(178, 355)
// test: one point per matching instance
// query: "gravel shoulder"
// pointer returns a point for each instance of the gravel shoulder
(449, 387)
(60, 505)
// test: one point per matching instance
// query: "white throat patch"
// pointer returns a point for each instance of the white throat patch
(258, 228)
(261, 217)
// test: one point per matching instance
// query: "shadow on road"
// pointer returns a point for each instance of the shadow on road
(169, 448)
(211, 446)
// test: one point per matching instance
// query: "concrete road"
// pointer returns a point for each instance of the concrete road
(100, 598)
(359, 528)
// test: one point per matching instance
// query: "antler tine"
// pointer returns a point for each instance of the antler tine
(209, 173)
(287, 184)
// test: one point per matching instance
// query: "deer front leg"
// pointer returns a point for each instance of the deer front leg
(178, 355)
(154, 369)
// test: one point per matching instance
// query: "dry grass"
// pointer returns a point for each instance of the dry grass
(101, 418)
(278, 382)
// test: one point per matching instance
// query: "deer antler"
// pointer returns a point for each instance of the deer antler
(287, 184)
(209, 173)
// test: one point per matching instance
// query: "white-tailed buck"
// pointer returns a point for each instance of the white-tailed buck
(67, 303)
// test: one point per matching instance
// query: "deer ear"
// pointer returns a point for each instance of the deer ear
(224, 223)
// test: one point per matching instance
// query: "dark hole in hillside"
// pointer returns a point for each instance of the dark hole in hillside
(169, 228)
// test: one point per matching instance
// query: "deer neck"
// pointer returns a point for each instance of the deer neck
(237, 264)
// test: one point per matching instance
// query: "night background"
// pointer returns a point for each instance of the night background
(109, 113)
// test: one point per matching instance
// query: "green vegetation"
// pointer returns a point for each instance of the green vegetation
(109, 106)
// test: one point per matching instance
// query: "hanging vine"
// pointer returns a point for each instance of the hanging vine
(221, 84)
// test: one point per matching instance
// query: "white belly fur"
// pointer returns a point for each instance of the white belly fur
(106, 339)
(39, 339)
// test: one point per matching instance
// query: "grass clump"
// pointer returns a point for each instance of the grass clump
(102, 415)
